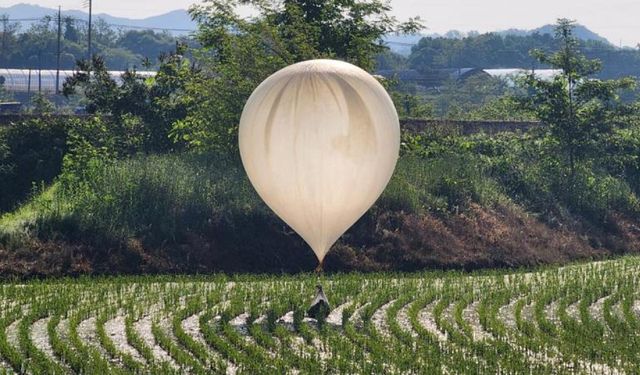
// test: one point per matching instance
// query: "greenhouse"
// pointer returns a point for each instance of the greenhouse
(44, 81)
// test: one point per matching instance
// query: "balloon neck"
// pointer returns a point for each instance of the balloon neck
(319, 269)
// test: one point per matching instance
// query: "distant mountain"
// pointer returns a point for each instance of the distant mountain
(180, 19)
(401, 44)
(177, 19)
(580, 31)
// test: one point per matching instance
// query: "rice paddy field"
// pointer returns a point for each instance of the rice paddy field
(578, 319)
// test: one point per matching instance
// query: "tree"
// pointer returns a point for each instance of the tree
(579, 111)
(42, 105)
(147, 43)
(459, 97)
(238, 53)
(7, 37)
(71, 32)
(36, 46)
(493, 50)
(3, 91)
(411, 106)
(146, 106)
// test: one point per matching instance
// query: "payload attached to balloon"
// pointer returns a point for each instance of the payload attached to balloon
(319, 141)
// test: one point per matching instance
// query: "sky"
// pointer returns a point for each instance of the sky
(616, 20)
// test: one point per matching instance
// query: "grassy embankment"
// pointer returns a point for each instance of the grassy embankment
(198, 213)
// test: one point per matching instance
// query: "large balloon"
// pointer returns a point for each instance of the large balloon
(319, 141)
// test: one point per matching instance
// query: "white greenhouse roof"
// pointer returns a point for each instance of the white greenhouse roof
(510, 74)
(25, 80)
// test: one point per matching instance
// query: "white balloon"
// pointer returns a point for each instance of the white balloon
(319, 141)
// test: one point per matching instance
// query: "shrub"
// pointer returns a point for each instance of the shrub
(154, 197)
(525, 168)
(439, 184)
(31, 152)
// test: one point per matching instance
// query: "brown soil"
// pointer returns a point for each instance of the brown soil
(481, 237)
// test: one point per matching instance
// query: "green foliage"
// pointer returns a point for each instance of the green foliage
(31, 152)
(495, 51)
(478, 98)
(238, 53)
(524, 168)
(146, 107)
(147, 43)
(161, 198)
(42, 105)
(503, 108)
(4, 95)
(165, 197)
(483, 51)
(579, 113)
(439, 184)
(35, 152)
(411, 106)
(89, 143)
(152, 197)
(36, 46)
(623, 155)
(122, 190)
(552, 320)
(457, 98)
(388, 60)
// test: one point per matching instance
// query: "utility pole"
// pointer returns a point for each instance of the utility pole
(59, 51)
(90, 3)
(29, 87)
(39, 71)
(5, 20)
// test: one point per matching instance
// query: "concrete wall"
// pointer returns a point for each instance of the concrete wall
(466, 127)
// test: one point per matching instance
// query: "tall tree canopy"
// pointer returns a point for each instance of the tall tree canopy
(239, 52)
(582, 114)
(36, 47)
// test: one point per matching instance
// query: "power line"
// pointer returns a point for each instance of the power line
(583, 49)
(59, 50)
(405, 44)
(89, 3)
(150, 28)
(23, 19)
(110, 24)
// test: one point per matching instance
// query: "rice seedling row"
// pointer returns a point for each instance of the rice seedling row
(580, 319)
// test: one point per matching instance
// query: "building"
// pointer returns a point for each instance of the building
(10, 107)
(44, 81)
(510, 75)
